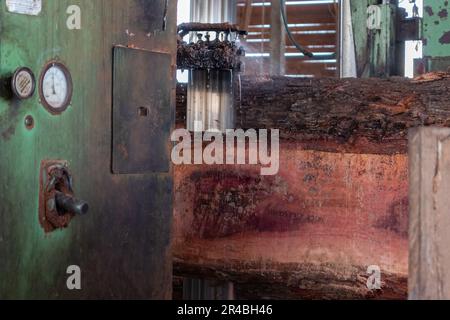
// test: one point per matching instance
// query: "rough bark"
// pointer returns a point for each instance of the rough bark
(311, 231)
(295, 281)
(343, 115)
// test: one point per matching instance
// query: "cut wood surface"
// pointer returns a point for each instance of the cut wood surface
(309, 232)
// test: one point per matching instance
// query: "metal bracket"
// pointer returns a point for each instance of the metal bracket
(57, 205)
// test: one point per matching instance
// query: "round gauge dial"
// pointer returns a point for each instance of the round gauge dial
(23, 83)
(56, 87)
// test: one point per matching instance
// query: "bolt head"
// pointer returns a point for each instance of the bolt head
(51, 205)
(29, 122)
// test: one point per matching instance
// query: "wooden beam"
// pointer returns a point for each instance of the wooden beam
(429, 201)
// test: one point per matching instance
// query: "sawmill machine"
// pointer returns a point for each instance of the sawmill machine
(86, 112)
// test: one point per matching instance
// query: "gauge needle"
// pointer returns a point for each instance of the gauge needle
(53, 84)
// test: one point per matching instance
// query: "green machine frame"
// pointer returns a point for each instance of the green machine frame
(112, 140)
(436, 36)
(380, 51)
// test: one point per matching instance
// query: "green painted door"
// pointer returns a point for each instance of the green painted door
(122, 246)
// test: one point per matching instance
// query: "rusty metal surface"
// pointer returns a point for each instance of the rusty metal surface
(142, 117)
(409, 29)
(211, 46)
(54, 177)
(209, 54)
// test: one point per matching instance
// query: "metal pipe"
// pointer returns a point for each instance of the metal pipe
(347, 56)
(210, 92)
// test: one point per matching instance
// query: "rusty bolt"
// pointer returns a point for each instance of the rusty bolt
(29, 122)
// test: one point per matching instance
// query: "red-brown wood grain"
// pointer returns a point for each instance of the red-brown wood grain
(309, 232)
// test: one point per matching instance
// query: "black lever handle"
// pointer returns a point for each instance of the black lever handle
(66, 203)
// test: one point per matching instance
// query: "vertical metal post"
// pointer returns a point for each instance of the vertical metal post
(347, 58)
(277, 40)
(429, 202)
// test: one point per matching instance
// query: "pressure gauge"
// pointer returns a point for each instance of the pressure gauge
(23, 83)
(55, 87)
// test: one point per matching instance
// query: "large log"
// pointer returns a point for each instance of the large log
(314, 229)
(309, 232)
(348, 115)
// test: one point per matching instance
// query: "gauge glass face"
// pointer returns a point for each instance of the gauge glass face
(55, 87)
(24, 84)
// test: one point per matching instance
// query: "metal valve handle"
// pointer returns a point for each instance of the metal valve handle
(66, 203)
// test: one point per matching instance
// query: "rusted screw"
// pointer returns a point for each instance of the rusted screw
(29, 122)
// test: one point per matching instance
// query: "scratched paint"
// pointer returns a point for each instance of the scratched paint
(443, 13)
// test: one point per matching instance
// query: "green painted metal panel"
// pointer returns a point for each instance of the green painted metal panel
(375, 49)
(361, 35)
(123, 245)
(436, 28)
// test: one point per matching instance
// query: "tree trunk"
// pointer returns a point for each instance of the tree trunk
(339, 204)
(342, 115)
